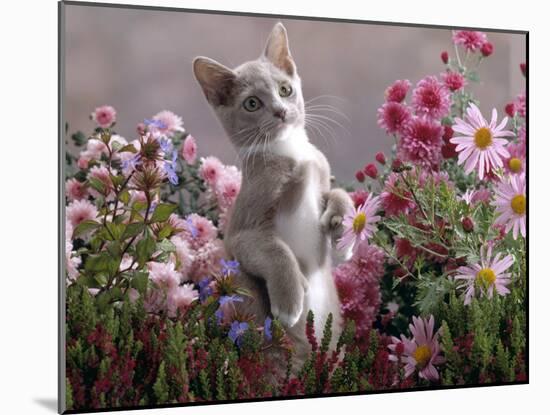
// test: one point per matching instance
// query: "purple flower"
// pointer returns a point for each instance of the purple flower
(237, 331)
(132, 162)
(171, 173)
(227, 299)
(229, 267)
(192, 228)
(267, 329)
(205, 290)
(219, 315)
(165, 145)
(154, 123)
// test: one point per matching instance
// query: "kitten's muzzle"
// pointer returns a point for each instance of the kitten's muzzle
(281, 114)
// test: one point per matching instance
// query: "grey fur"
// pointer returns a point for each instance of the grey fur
(275, 268)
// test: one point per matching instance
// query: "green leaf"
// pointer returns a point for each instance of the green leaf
(166, 231)
(97, 185)
(84, 227)
(128, 148)
(162, 212)
(79, 138)
(144, 250)
(166, 246)
(132, 230)
(140, 281)
(124, 197)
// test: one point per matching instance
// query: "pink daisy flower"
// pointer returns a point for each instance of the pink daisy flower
(104, 116)
(511, 204)
(481, 144)
(167, 123)
(471, 40)
(75, 190)
(431, 98)
(421, 142)
(397, 91)
(486, 277)
(453, 80)
(515, 164)
(393, 116)
(359, 224)
(422, 353)
(79, 211)
(189, 149)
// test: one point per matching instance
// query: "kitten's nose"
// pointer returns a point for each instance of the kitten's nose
(280, 114)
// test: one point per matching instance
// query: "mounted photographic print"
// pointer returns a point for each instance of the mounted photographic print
(260, 207)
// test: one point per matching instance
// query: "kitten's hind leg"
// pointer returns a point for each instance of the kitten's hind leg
(266, 256)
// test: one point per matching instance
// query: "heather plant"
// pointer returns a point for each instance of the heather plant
(434, 294)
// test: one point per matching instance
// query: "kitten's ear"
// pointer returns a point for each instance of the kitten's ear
(216, 80)
(277, 50)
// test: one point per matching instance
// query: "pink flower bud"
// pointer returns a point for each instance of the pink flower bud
(467, 224)
(523, 67)
(445, 57)
(487, 49)
(510, 109)
(360, 176)
(396, 165)
(380, 158)
(371, 170)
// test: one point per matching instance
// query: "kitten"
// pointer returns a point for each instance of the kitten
(286, 218)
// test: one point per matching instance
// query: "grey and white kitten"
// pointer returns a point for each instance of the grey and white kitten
(286, 218)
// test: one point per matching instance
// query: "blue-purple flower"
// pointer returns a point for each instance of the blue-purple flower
(154, 123)
(205, 290)
(237, 331)
(229, 267)
(230, 299)
(268, 333)
(192, 228)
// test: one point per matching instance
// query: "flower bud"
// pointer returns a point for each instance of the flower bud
(380, 158)
(487, 49)
(397, 165)
(510, 109)
(360, 176)
(467, 224)
(445, 57)
(371, 170)
(523, 67)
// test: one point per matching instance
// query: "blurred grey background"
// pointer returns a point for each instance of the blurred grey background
(139, 61)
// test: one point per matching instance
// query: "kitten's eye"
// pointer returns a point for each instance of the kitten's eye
(252, 104)
(285, 90)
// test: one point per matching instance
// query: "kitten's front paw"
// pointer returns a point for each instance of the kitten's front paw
(287, 304)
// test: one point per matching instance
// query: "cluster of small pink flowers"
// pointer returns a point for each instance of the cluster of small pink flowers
(224, 185)
(470, 40)
(358, 284)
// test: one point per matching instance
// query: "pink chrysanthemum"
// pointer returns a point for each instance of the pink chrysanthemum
(75, 190)
(515, 164)
(421, 142)
(184, 255)
(471, 197)
(164, 275)
(227, 187)
(481, 144)
(397, 91)
(101, 173)
(453, 80)
(104, 116)
(211, 169)
(79, 211)
(395, 198)
(422, 353)
(358, 285)
(189, 149)
(167, 124)
(393, 116)
(180, 298)
(359, 224)
(199, 230)
(486, 277)
(206, 260)
(359, 197)
(471, 40)
(511, 204)
(431, 98)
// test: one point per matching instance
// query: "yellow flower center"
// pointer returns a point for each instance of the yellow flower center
(518, 204)
(486, 277)
(483, 138)
(422, 355)
(515, 164)
(359, 222)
